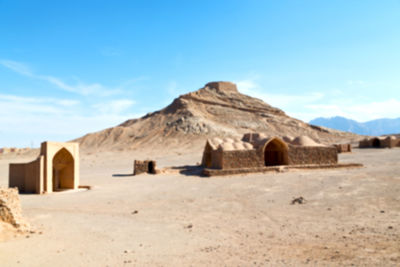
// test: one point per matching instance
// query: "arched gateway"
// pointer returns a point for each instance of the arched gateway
(275, 152)
(63, 170)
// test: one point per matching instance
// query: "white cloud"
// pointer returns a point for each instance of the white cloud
(79, 88)
(114, 107)
(328, 104)
(358, 111)
(282, 101)
(17, 67)
(29, 119)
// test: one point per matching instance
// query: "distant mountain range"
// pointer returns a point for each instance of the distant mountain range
(374, 127)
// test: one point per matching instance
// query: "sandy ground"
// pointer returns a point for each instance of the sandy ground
(351, 217)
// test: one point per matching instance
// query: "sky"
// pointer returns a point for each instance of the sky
(68, 68)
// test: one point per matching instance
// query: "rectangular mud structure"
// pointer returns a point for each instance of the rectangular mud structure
(257, 151)
(144, 166)
(343, 148)
(380, 142)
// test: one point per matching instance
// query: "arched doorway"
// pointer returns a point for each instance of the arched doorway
(63, 170)
(376, 143)
(275, 153)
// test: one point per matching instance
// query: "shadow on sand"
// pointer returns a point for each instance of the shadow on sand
(122, 175)
(190, 170)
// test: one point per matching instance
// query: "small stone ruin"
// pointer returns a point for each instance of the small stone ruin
(343, 148)
(144, 166)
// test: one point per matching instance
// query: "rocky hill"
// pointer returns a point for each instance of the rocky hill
(217, 109)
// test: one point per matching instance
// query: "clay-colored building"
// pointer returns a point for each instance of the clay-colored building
(343, 148)
(56, 169)
(144, 166)
(380, 142)
(256, 150)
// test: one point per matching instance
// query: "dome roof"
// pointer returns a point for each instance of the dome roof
(305, 141)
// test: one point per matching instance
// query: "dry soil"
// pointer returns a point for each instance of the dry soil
(350, 216)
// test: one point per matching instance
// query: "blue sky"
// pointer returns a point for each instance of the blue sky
(72, 67)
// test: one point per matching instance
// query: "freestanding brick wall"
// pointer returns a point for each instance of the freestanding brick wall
(343, 148)
(241, 159)
(144, 166)
(299, 155)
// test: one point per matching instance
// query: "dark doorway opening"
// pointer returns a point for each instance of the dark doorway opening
(376, 143)
(151, 167)
(275, 154)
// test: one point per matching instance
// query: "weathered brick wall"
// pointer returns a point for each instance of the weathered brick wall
(343, 148)
(365, 143)
(142, 166)
(390, 143)
(242, 159)
(216, 159)
(312, 155)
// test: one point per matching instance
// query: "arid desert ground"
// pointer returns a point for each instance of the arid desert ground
(351, 216)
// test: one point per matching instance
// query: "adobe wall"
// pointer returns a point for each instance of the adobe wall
(207, 156)
(27, 177)
(50, 149)
(365, 143)
(10, 208)
(343, 148)
(216, 159)
(223, 86)
(312, 155)
(241, 159)
(389, 143)
(142, 166)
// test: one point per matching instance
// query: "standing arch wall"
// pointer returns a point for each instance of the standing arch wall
(50, 150)
(38, 176)
(275, 152)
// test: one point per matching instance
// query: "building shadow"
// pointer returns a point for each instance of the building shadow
(120, 175)
(190, 170)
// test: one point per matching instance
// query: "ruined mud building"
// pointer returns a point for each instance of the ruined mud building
(56, 169)
(380, 142)
(256, 150)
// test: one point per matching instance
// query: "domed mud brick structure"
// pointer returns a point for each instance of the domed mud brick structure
(380, 142)
(257, 150)
(56, 169)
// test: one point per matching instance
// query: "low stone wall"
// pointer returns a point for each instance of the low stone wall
(343, 148)
(10, 208)
(241, 159)
(303, 155)
(144, 166)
